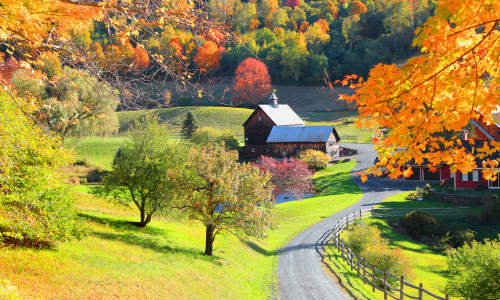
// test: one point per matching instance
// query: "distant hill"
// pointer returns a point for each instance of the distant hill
(232, 119)
(300, 98)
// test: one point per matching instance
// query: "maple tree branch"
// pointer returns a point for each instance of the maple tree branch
(448, 65)
(474, 26)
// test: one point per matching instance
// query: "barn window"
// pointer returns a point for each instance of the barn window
(252, 149)
(259, 118)
(475, 175)
(465, 176)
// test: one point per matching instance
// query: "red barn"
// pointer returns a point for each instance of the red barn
(275, 129)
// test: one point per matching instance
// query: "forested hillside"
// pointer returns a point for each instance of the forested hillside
(153, 60)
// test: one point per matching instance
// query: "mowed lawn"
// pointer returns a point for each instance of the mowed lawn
(164, 260)
(429, 266)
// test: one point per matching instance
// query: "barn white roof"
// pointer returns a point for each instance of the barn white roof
(282, 115)
(301, 134)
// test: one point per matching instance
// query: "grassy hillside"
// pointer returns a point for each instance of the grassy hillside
(429, 266)
(164, 260)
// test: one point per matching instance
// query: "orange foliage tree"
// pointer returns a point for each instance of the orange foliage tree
(208, 56)
(357, 8)
(251, 82)
(425, 102)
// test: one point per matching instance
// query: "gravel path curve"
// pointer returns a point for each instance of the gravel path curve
(300, 271)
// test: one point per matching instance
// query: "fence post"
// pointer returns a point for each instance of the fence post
(447, 297)
(401, 295)
(360, 216)
(373, 279)
(420, 292)
(385, 285)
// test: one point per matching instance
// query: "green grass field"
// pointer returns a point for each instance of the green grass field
(164, 260)
(429, 266)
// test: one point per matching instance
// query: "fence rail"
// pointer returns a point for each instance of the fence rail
(379, 280)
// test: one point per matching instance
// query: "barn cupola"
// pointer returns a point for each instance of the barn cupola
(273, 100)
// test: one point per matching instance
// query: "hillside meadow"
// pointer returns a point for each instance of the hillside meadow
(164, 260)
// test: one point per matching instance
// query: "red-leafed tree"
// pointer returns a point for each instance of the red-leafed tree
(251, 82)
(141, 58)
(288, 176)
(292, 3)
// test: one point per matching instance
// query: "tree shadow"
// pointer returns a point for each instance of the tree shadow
(149, 237)
(257, 248)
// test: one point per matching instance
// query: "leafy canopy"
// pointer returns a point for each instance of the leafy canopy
(35, 206)
(224, 194)
(142, 168)
(454, 80)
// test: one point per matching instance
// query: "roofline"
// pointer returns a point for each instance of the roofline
(483, 131)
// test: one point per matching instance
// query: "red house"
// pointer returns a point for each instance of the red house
(482, 133)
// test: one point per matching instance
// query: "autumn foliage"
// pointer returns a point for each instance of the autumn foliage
(208, 56)
(289, 176)
(292, 3)
(357, 8)
(251, 82)
(141, 58)
(426, 101)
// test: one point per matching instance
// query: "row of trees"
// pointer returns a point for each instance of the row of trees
(202, 180)
(205, 183)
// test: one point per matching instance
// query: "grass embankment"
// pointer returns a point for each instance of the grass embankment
(429, 266)
(164, 260)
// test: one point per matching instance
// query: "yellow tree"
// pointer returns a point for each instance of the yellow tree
(423, 102)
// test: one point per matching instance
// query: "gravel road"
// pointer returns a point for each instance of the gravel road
(300, 271)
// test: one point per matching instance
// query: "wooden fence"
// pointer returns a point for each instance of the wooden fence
(379, 280)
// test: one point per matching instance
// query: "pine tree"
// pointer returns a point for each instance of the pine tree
(188, 126)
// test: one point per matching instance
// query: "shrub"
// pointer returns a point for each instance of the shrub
(459, 238)
(315, 159)
(420, 225)
(36, 209)
(491, 211)
(475, 271)
(388, 260)
(360, 237)
(185, 101)
(210, 135)
(288, 176)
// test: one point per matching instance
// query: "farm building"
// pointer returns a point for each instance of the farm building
(275, 129)
(482, 133)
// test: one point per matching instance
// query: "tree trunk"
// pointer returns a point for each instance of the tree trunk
(209, 239)
(144, 219)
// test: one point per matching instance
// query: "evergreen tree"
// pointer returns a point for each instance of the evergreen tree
(188, 126)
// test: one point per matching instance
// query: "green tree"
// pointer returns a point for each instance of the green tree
(280, 18)
(35, 206)
(475, 271)
(225, 195)
(142, 171)
(210, 135)
(188, 126)
(71, 101)
(294, 55)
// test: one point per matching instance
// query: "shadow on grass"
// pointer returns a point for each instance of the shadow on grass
(152, 238)
(257, 248)
(335, 184)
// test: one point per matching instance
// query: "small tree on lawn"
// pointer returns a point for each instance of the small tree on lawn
(188, 126)
(140, 168)
(225, 195)
(288, 176)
